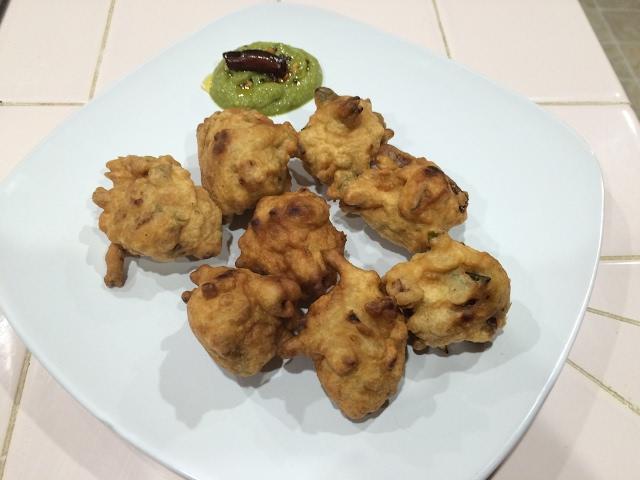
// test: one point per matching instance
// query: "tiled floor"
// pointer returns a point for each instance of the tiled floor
(164, 25)
(12, 372)
(617, 25)
(66, 46)
(590, 425)
(553, 32)
(612, 133)
(580, 434)
(69, 441)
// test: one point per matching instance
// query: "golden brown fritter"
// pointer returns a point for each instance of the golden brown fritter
(240, 317)
(356, 338)
(155, 210)
(452, 292)
(405, 199)
(287, 236)
(243, 157)
(341, 139)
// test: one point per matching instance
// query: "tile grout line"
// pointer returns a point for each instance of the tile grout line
(619, 258)
(635, 78)
(626, 62)
(41, 104)
(634, 408)
(616, 43)
(14, 412)
(103, 44)
(613, 316)
(617, 9)
(441, 27)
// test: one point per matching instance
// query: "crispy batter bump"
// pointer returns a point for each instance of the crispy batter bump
(405, 199)
(357, 339)
(287, 236)
(341, 139)
(240, 317)
(155, 210)
(454, 294)
(115, 276)
(243, 157)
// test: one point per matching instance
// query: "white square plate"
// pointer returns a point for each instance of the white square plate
(128, 355)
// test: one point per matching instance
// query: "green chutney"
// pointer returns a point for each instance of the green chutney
(263, 92)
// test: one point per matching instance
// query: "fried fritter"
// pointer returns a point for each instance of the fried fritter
(155, 210)
(405, 199)
(452, 292)
(356, 338)
(287, 236)
(243, 157)
(341, 139)
(240, 317)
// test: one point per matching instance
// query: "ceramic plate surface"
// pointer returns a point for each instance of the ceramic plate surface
(128, 354)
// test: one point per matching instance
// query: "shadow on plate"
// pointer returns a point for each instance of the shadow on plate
(193, 384)
(167, 275)
(300, 177)
(191, 163)
(240, 222)
(308, 408)
(426, 376)
(355, 223)
(292, 393)
(519, 336)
